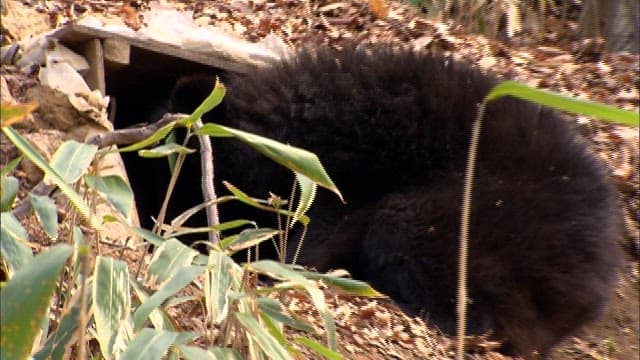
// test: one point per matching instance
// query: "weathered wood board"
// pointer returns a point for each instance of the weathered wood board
(75, 34)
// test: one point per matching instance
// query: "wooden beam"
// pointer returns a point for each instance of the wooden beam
(74, 34)
(117, 53)
(93, 52)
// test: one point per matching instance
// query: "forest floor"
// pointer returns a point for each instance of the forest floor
(556, 60)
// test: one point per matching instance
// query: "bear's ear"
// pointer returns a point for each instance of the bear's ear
(190, 91)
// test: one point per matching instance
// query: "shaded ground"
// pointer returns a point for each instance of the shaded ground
(375, 329)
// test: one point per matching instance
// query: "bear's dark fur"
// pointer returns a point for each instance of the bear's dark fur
(392, 128)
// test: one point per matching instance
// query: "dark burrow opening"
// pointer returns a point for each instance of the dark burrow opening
(140, 93)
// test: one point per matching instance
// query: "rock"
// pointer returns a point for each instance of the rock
(45, 142)
(5, 93)
(20, 22)
(54, 111)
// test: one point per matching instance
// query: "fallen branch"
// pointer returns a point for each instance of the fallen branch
(133, 135)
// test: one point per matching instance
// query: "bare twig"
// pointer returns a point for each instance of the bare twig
(83, 318)
(117, 137)
(296, 255)
(288, 223)
(165, 203)
(208, 190)
(132, 135)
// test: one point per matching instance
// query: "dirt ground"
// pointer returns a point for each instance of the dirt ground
(374, 328)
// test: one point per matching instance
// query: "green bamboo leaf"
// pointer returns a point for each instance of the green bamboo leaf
(165, 150)
(351, 286)
(329, 325)
(245, 198)
(277, 334)
(115, 189)
(273, 308)
(25, 301)
(13, 243)
(154, 138)
(273, 330)
(179, 300)
(169, 259)
(111, 301)
(296, 159)
(214, 99)
(220, 276)
(179, 220)
(185, 337)
(55, 346)
(170, 288)
(266, 342)
(227, 225)
(79, 246)
(150, 236)
(10, 166)
(563, 102)
(319, 348)
(47, 214)
(8, 192)
(123, 338)
(172, 138)
(150, 344)
(248, 238)
(280, 271)
(72, 159)
(75, 199)
(158, 317)
(307, 195)
(213, 353)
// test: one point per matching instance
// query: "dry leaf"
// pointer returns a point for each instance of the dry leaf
(130, 17)
(379, 8)
(12, 114)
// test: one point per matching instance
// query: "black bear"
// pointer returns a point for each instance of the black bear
(392, 127)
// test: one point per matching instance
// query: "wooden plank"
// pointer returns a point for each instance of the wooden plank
(92, 50)
(117, 53)
(75, 33)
